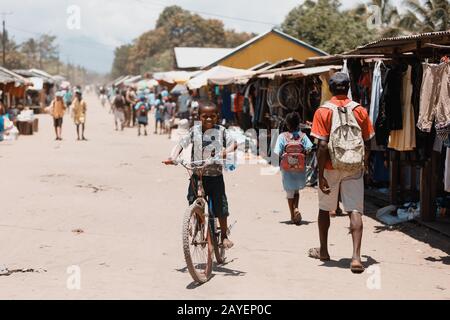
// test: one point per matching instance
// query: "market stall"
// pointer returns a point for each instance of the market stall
(399, 81)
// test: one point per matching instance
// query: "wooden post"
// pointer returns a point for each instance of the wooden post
(394, 177)
(425, 200)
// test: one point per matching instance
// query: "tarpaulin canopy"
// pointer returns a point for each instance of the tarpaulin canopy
(175, 76)
(218, 75)
(147, 84)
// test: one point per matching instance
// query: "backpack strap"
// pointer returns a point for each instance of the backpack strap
(329, 105)
(352, 105)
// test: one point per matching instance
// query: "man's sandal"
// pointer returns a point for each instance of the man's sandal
(315, 254)
(357, 268)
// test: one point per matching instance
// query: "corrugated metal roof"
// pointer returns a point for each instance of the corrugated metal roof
(197, 58)
(8, 76)
(303, 72)
(386, 42)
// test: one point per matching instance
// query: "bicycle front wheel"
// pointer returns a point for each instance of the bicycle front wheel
(197, 244)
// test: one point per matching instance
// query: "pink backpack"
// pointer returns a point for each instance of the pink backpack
(293, 158)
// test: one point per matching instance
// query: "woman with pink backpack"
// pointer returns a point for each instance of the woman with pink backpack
(292, 147)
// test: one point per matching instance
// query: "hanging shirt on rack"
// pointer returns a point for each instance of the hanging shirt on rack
(405, 139)
(435, 97)
(364, 88)
(377, 90)
(346, 70)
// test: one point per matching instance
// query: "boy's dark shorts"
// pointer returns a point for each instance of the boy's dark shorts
(214, 190)
(57, 122)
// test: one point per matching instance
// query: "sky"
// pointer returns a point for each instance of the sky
(105, 24)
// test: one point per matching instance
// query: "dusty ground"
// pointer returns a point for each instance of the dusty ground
(130, 209)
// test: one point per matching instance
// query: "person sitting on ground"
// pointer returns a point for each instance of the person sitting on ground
(212, 179)
(292, 146)
(142, 109)
(333, 124)
(79, 109)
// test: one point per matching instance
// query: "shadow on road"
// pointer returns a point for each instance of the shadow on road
(444, 260)
(289, 223)
(345, 263)
(416, 231)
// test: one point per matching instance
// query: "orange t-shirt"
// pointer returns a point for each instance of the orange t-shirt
(322, 122)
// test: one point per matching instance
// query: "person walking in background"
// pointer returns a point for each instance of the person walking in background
(57, 109)
(291, 147)
(338, 121)
(183, 105)
(169, 115)
(159, 112)
(119, 105)
(68, 98)
(130, 114)
(142, 109)
(79, 108)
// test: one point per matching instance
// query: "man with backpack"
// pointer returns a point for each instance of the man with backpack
(118, 105)
(342, 127)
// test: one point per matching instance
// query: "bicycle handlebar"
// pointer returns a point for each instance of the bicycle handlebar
(198, 164)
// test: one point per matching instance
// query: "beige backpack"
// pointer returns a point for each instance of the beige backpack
(346, 143)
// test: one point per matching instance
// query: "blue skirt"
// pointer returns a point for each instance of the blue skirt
(293, 181)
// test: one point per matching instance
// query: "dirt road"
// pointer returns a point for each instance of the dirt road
(109, 208)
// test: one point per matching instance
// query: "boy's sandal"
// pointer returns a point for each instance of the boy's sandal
(315, 254)
(227, 244)
(297, 218)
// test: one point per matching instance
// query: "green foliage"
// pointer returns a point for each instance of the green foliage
(323, 24)
(426, 16)
(153, 50)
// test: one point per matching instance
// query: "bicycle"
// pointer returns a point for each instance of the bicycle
(201, 232)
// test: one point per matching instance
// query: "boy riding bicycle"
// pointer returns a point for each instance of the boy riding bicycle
(209, 140)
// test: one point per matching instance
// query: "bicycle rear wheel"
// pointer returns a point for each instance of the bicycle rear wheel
(197, 244)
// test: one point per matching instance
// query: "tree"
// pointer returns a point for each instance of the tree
(429, 16)
(48, 50)
(175, 27)
(120, 62)
(30, 49)
(323, 24)
(13, 58)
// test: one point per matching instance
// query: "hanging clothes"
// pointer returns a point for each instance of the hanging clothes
(226, 104)
(364, 88)
(346, 71)
(447, 172)
(390, 115)
(405, 139)
(377, 90)
(435, 97)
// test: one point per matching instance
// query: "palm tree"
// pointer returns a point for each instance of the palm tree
(429, 16)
